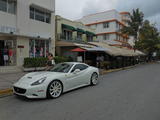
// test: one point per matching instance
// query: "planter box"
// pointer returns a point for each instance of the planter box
(33, 69)
(40, 68)
(29, 69)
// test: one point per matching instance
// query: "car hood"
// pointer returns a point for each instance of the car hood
(34, 76)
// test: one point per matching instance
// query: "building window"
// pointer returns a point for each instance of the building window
(95, 25)
(106, 25)
(106, 37)
(117, 25)
(32, 15)
(67, 35)
(79, 36)
(89, 38)
(39, 15)
(8, 6)
(39, 48)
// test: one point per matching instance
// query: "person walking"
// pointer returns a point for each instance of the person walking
(50, 62)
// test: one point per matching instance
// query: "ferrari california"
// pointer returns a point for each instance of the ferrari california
(52, 83)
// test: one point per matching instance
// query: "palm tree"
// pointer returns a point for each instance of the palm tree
(134, 24)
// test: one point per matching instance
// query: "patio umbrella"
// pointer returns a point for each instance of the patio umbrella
(79, 50)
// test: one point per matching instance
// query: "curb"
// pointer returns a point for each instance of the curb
(116, 70)
(6, 92)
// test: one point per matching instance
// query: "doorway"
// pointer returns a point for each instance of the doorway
(1, 53)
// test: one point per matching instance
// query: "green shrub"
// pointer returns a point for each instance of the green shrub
(60, 59)
(34, 62)
(41, 61)
(105, 64)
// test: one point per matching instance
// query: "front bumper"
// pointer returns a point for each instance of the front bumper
(38, 91)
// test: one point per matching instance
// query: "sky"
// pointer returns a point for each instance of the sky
(75, 9)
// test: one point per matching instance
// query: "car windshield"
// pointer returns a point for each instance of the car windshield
(62, 67)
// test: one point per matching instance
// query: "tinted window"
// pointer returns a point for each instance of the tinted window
(79, 66)
(63, 67)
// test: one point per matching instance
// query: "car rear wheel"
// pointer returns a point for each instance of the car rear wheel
(55, 89)
(94, 79)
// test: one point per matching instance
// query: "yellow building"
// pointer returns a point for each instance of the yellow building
(71, 34)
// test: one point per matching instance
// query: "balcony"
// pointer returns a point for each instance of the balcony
(72, 39)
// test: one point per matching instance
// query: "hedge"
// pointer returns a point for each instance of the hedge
(34, 62)
(41, 61)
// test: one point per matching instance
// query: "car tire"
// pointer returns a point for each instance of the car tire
(94, 79)
(55, 89)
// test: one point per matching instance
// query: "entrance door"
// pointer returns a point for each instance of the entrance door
(1, 52)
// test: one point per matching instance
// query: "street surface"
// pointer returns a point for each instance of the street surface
(132, 94)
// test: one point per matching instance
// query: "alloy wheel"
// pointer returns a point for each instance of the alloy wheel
(94, 79)
(55, 89)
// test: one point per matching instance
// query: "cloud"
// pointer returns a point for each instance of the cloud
(94, 6)
(149, 7)
(75, 9)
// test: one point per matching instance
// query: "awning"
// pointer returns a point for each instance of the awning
(140, 53)
(90, 33)
(78, 50)
(108, 49)
(80, 30)
(95, 49)
(68, 27)
(115, 51)
(90, 48)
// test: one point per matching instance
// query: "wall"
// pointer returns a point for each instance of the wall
(33, 28)
(108, 15)
(99, 28)
(7, 20)
(60, 21)
(112, 37)
(22, 52)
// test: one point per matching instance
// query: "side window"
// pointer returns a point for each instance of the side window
(79, 66)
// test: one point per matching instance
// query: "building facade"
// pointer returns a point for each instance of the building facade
(26, 30)
(71, 34)
(108, 25)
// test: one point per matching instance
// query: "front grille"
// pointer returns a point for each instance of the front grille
(19, 90)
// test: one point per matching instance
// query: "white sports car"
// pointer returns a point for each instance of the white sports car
(62, 78)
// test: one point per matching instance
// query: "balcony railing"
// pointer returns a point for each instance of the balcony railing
(61, 37)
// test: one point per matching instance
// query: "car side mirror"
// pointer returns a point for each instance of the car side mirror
(76, 71)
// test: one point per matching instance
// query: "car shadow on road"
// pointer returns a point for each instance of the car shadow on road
(25, 99)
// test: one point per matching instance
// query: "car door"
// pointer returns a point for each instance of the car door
(76, 79)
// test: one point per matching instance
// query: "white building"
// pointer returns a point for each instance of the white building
(26, 30)
(108, 25)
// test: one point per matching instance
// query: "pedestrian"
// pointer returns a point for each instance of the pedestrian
(50, 62)
(101, 58)
(98, 59)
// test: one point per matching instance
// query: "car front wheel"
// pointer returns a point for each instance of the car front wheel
(55, 89)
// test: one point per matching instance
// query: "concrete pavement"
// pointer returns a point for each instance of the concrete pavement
(131, 94)
(7, 79)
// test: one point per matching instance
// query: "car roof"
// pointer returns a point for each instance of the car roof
(75, 63)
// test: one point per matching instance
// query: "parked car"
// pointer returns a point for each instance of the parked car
(62, 78)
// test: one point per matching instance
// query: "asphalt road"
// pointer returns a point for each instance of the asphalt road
(132, 94)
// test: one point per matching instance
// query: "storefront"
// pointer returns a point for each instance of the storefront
(39, 48)
(7, 52)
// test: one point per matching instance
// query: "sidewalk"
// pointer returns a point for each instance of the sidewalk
(7, 79)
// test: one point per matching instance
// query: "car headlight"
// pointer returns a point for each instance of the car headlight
(38, 82)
